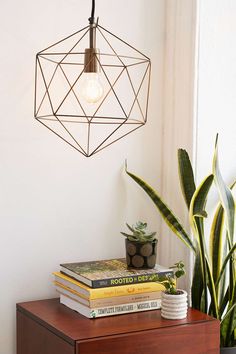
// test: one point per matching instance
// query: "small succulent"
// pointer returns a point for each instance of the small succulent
(139, 233)
(169, 281)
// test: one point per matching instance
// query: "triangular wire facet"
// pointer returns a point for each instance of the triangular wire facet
(45, 99)
(137, 74)
(100, 133)
(134, 114)
(118, 133)
(67, 44)
(45, 108)
(80, 133)
(58, 88)
(48, 70)
(111, 99)
(70, 103)
(121, 47)
(108, 55)
(40, 91)
(143, 91)
(53, 58)
(74, 59)
(57, 128)
(140, 86)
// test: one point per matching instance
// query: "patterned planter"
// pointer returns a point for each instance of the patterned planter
(174, 307)
(141, 255)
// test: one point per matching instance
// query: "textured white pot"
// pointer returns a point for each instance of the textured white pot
(174, 307)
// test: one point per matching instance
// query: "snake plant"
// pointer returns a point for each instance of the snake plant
(214, 276)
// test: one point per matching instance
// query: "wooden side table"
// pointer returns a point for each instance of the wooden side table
(47, 327)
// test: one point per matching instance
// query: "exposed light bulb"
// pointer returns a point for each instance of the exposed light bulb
(92, 90)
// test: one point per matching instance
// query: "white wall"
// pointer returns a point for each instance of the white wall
(217, 87)
(55, 205)
(178, 119)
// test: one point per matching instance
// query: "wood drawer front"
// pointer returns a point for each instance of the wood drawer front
(33, 338)
(201, 338)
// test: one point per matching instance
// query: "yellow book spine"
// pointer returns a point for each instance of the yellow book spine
(99, 293)
(107, 301)
(125, 290)
(71, 290)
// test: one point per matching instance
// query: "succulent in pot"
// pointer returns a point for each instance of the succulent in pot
(174, 303)
(141, 246)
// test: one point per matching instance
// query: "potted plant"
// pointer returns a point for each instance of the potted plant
(214, 275)
(174, 302)
(141, 246)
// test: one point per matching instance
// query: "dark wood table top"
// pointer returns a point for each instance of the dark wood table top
(72, 326)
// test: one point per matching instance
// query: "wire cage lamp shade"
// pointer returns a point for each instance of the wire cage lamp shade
(91, 88)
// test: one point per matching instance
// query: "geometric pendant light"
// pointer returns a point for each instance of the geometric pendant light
(91, 88)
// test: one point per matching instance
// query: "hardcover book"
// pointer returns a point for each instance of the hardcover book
(109, 310)
(107, 301)
(108, 292)
(113, 272)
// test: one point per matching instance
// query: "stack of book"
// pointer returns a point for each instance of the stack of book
(107, 287)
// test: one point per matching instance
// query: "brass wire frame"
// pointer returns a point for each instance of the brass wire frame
(61, 118)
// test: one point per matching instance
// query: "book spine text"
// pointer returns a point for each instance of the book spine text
(133, 279)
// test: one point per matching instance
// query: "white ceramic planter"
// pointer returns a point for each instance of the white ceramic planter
(174, 307)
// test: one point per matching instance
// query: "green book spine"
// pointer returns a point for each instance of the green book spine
(133, 279)
(125, 280)
(110, 273)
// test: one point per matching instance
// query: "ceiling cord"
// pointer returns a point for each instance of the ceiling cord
(91, 19)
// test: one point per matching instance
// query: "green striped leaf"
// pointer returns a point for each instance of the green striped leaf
(197, 282)
(216, 241)
(199, 198)
(197, 206)
(226, 260)
(212, 290)
(228, 324)
(186, 176)
(224, 302)
(225, 194)
(223, 287)
(168, 216)
(232, 326)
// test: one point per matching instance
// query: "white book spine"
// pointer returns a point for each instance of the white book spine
(110, 310)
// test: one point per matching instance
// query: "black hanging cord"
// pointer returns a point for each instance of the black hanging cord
(91, 19)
